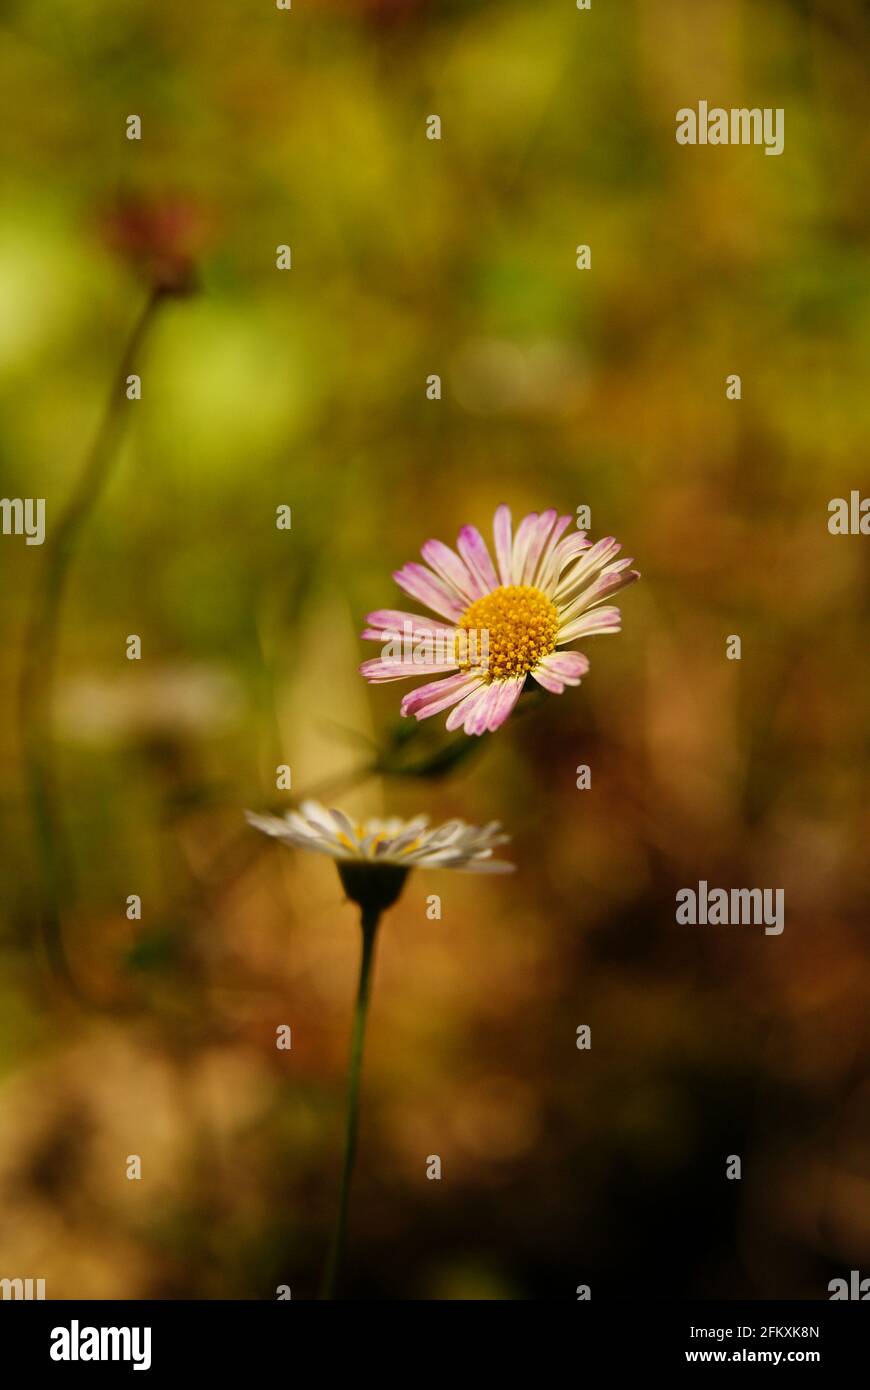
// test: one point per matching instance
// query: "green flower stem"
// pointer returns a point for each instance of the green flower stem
(40, 650)
(370, 918)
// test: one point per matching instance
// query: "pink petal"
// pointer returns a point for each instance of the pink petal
(464, 713)
(547, 679)
(472, 547)
(393, 620)
(568, 666)
(560, 558)
(378, 670)
(439, 695)
(522, 541)
(477, 717)
(501, 533)
(446, 563)
(593, 561)
(544, 566)
(507, 694)
(591, 623)
(486, 709)
(422, 585)
(560, 669)
(537, 543)
(607, 584)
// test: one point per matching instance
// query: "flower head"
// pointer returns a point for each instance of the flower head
(374, 857)
(498, 624)
(160, 237)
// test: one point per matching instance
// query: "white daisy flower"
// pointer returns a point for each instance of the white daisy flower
(408, 844)
(373, 860)
(368, 854)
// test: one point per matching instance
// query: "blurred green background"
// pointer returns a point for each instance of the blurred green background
(560, 388)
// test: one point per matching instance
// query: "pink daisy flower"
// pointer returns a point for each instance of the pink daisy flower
(497, 623)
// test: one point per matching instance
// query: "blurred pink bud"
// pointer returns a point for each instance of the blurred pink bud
(161, 238)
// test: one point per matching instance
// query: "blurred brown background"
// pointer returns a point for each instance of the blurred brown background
(561, 388)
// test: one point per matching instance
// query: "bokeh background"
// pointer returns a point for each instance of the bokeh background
(560, 388)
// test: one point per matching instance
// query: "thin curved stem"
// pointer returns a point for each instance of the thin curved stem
(39, 655)
(370, 919)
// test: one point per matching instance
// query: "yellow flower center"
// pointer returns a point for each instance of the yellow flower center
(521, 626)
(380, 836)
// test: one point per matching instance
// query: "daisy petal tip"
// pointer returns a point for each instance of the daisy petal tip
(267, 825)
